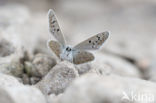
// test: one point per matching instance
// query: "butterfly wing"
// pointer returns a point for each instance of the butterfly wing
(54, 27)
(55, 47)
(80, 57)
(94, 42)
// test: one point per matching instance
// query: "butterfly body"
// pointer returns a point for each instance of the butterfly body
(67, 54)
(77, 54)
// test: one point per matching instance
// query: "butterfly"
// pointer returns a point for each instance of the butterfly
(77, 54)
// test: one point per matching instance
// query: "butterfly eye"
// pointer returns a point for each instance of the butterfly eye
(68, 49)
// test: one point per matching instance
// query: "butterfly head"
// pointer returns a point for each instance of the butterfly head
(68, 49)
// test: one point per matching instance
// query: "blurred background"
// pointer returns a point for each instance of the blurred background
(126, 61)
(132, 24)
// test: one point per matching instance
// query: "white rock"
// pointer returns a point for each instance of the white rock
(7, 80)
(21, 94)
(58, 78)
(12, 91)
(24, 29)
(108, 89)
(108, 64)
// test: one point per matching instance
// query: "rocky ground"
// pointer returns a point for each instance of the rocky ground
(123, 70)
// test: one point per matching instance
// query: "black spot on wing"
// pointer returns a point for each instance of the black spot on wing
(89, 41)
(58, 30)
(53, 22)
(98, 37)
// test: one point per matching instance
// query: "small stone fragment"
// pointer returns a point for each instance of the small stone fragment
(25, 79)
(83, 68)
(28, 68)
(34, 80)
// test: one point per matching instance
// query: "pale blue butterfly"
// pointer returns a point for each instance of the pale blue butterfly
(76, 54)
